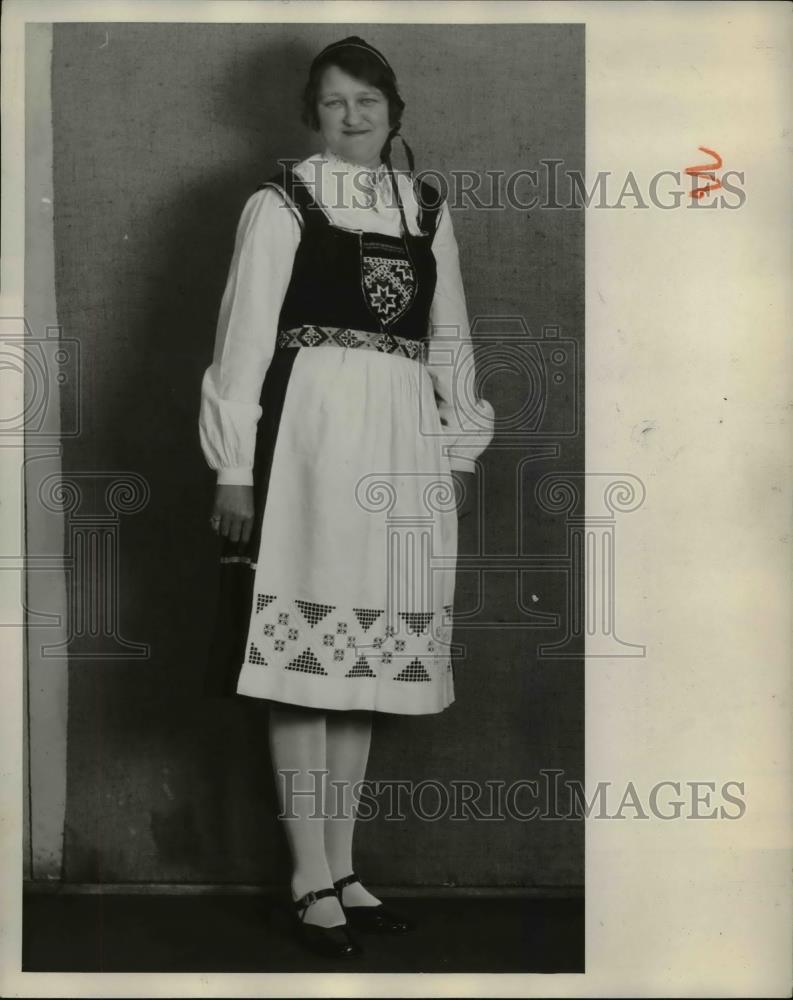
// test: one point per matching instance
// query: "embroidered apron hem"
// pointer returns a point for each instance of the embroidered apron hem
(365, 693)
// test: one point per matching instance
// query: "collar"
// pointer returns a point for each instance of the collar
(338, 163)
(332, 178)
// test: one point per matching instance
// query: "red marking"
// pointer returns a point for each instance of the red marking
(706, 170)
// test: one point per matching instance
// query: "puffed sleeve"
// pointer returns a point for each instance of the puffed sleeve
(267, 237)
(468, 421)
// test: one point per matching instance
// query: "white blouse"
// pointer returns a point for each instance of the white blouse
(267, 238)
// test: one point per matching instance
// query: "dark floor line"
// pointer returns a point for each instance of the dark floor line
(238, 889)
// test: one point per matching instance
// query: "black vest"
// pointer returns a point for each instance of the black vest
(353, 279)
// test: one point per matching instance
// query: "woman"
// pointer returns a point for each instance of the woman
(334, 465)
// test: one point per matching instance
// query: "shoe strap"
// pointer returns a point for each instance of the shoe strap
(310, 897)
(340, 883)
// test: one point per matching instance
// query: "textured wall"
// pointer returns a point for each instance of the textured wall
(160, 134)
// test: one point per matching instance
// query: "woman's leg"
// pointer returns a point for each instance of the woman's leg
(348, 738)
(297, 748)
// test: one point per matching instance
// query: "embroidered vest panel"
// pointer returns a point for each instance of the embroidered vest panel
(355, 279)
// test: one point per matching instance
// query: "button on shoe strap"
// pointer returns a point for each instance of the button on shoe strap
(347, 880)
(311, 897)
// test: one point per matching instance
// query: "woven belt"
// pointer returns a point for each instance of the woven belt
(335, 336)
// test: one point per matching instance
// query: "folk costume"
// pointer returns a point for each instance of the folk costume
(341, 389)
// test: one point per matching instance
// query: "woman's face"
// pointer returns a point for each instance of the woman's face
(353, 117)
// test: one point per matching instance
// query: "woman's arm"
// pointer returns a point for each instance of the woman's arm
(267, 237)
(468, 422)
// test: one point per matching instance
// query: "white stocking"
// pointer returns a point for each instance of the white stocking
(297, 748)
(348, 738)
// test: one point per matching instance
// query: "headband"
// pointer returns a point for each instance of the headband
(354, 42)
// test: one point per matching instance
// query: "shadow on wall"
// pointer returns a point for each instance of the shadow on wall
(201, 804)
(155, 401)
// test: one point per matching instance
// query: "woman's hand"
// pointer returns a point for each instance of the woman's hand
(232, 516)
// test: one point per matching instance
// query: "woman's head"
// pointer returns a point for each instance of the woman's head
(352, 99)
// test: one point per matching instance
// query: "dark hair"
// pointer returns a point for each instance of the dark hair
(361, 61)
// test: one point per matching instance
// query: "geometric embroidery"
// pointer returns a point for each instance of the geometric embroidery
(361, 644)
(348, 641)
(314, 612)
(388, 285)
(366, 617)
(361, 669)
(307, 663)
(263, 600)
(312, 336)
(254, 656)
(414, 671)
(416, 621)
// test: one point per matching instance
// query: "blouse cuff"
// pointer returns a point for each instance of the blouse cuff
(240, 476)
(227, 431)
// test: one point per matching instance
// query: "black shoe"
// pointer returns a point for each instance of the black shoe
(381, 918)
(333, 942)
